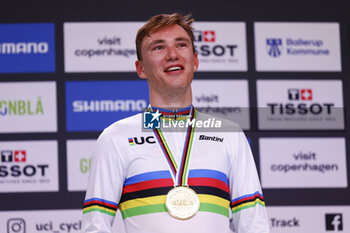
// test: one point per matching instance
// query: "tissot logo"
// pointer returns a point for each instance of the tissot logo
(300, 104)
(8, 157)
(274, 47)
(28, 166)
(314, 108)
(16, 156)
(206, 36)
(334, 222)
(221, 46)
(141, 140)
(299, 94)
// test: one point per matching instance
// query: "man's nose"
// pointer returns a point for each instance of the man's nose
(172, 53)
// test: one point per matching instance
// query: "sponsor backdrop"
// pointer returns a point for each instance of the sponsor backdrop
(279, 70)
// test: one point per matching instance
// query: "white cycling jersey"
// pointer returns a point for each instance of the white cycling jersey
(130, 174)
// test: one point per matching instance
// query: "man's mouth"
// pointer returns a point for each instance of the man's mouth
(173, 68)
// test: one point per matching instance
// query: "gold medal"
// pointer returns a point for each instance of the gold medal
(182, 202)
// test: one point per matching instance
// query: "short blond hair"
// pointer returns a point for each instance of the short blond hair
(161, 21)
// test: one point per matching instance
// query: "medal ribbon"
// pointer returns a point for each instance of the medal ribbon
(180, 173)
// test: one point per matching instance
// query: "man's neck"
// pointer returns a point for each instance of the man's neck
(171, 101)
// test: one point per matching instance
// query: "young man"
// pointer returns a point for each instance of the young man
(181, 181)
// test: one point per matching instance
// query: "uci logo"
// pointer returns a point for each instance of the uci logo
(141, 140)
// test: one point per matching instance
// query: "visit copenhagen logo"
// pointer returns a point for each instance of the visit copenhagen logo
(27, 48)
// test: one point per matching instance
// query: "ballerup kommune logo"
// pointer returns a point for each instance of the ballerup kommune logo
(154, 120)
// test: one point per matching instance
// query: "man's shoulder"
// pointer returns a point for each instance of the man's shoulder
(129, 123)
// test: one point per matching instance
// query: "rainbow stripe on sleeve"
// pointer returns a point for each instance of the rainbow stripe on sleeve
(247, 201)
(145, 193)
(103, 206)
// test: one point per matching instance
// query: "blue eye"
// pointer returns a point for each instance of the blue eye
(159, 47)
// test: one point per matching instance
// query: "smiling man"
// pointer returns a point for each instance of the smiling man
(184, 180)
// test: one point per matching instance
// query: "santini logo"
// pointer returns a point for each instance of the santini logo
(211, 138)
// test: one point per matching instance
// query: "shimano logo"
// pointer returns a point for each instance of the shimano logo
(24, 48)
(108, 105)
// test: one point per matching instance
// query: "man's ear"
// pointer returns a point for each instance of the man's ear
(196, 62)
(139, 69)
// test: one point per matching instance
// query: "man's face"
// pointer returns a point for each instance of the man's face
(168, 61)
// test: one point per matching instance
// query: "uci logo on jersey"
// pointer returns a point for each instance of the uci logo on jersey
(141, 140)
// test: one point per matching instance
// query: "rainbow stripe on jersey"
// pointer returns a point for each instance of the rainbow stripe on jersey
(247, 201)
(145, 193)
(101, 205)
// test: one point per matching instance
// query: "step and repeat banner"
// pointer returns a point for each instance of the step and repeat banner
(298, 104)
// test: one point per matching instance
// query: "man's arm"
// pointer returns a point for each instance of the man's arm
(105, 185)
(247, 202)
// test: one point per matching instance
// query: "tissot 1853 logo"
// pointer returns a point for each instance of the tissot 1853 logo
(300, 104)
(12, 165)
(302, 107)
(206, 36)
(221, 46)
(299, 94)
(151, 120)
(16, 156)
(274, 47)
(27, 166)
